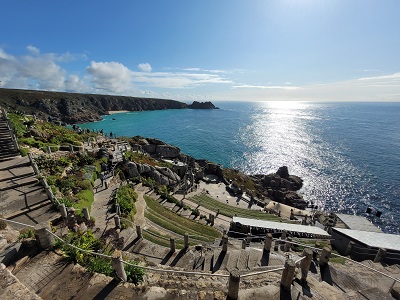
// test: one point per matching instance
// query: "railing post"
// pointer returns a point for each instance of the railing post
(288, 244)
(324, 256)
(117, 221)
(288, 274)
(186, 240)
(305, 263)
(43, 235)
(35, 168)
(118, 265)
(117, 209)
(172, 244)
(86, 214)
(268, 242)
(139, 232)
(248, 238)
(233, 287)
(225, 243)
(380, 255)
(244, 242)
(63, 210)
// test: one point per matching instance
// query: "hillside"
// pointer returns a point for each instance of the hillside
(80, 108)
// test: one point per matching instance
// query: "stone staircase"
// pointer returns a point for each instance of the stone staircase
(22, 198)
(47, 275)
(7, 147)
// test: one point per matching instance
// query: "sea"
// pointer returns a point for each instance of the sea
(348, 154)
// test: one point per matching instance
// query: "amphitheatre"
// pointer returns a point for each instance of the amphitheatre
(85, 215)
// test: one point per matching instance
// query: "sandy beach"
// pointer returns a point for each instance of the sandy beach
(113, 112)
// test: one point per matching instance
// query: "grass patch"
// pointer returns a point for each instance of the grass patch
(230, 211)
(178, 224)
(85, 199)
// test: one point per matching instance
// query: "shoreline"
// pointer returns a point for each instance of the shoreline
(113, 112)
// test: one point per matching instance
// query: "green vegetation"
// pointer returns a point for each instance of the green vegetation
(126, 198)
(178, 224)
(46, 133)
(87, 241)
(85, 198)
(230, 211)
(26, 233)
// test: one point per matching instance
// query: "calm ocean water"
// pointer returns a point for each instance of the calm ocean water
(348, 154)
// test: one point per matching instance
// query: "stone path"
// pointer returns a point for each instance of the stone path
(140, 205)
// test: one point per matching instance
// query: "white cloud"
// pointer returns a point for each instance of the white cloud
(33, 50)
(145, 67)
(110, 76)
(274, 87)
(37, 70)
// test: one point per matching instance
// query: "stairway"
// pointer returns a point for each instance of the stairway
(7, 147)
(22, 197)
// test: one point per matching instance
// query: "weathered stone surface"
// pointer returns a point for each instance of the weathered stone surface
(161, 175)
(167, 151)
(12, 288)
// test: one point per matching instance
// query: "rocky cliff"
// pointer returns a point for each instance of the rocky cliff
(80, 108)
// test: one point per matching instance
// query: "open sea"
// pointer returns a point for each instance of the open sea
(348, 154)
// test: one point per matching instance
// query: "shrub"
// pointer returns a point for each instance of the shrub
(26, 233)
(86, 185)
(100, 265)
(67, 183)
(85, 199)
(134, 274)
(24, 151)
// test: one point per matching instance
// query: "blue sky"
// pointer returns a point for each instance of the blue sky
(311, 50)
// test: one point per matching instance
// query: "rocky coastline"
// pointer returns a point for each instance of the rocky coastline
(75, 108)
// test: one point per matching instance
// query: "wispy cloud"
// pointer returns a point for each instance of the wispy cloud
(273, 87)
(145, 67)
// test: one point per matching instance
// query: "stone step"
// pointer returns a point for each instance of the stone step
(208, 261)
(9, 155)
(233, 257)
(20, 172)
(15, 163)
(243, 259)
(254, 258)
(13, 200)
(17, 182)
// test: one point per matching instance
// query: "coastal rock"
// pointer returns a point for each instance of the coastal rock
(160, 149)
(81, 108)
(202, 105)
(161, 175)
(281, 187)
(283, 172)
(167, 151)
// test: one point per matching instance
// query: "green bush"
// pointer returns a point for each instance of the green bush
(134, 274)
(26, 233)
(65, 184)
(126, 198)
(67, 201)
(85, 241)
(85, 199)
(24, 151)
(101, 265)
(86, 185)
